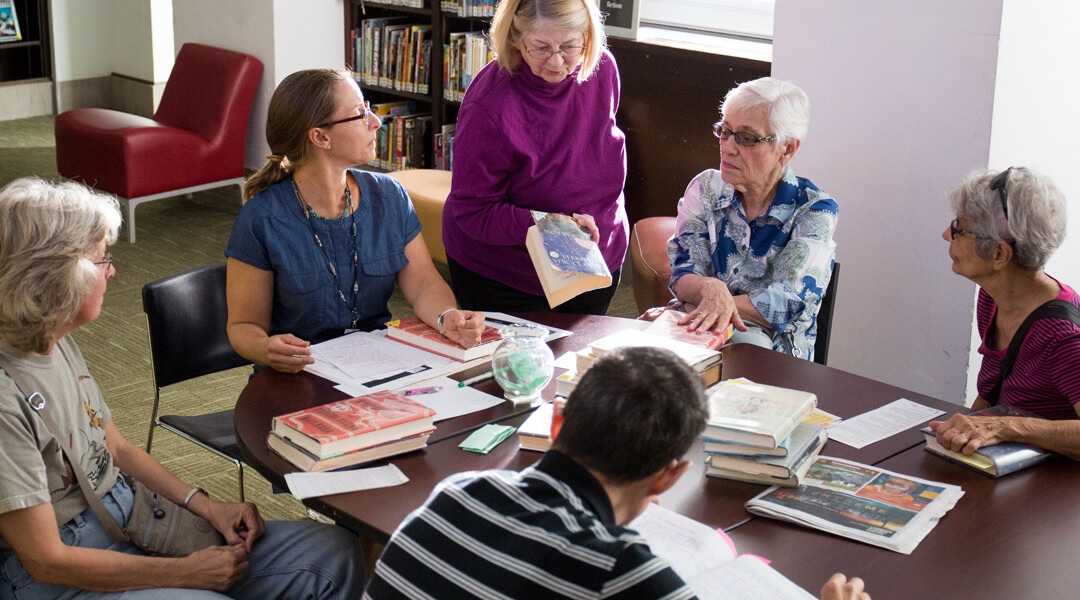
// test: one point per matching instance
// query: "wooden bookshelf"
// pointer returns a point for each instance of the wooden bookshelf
(29, 58)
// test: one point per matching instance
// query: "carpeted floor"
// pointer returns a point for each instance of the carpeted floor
(173, 235)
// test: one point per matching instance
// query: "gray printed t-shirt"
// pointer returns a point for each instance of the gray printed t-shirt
(34, 471)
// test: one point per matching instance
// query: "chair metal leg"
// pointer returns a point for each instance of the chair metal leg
(240, 477)
(153, 419)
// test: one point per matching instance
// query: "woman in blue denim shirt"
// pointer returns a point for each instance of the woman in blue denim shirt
(319, 245)
(753, 243)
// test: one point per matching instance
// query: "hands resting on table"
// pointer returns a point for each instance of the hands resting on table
(839, 587)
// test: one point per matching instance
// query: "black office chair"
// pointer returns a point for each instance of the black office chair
(186, 315)
(825, 317)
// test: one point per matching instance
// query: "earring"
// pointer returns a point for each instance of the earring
(328, 146)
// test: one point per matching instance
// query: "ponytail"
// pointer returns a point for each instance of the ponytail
(277, 168)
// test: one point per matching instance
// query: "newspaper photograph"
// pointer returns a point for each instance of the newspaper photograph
(864, 503)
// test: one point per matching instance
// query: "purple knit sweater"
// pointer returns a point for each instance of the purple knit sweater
(525, 144)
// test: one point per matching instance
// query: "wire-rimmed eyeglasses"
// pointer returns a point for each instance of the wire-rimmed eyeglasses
(544, 53)
(742, 138)
(366, 116)
(106, 262)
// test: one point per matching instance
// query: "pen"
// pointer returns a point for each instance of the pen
(424, 390)
(481, 377)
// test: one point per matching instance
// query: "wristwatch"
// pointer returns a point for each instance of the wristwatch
(438, 322)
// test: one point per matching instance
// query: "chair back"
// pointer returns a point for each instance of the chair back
(210, 92)
(825, 317)
(186, 315)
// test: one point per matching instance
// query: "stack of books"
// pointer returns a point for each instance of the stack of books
(350, 432)
(755, 433)
(705, 362)
(414, 332)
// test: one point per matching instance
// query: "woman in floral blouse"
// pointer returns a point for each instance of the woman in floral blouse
(753, 243)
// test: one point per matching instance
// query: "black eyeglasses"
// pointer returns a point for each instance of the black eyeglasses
(999, 184)
(107, 261)
(954, 230)
(366, 116)
(742, 138)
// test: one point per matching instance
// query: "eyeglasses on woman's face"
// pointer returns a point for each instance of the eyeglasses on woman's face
(368, 117)
(742, 138)
(955, 230)
(544, 52)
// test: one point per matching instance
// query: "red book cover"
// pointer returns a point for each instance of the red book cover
(354, 423)
(417, 333)
(667, 325)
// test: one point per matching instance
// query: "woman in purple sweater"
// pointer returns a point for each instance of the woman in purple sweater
(1007, 225)
(536, 131)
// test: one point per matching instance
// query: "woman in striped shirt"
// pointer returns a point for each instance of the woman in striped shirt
(1007, 225)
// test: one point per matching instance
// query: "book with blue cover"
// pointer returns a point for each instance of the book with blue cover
(999, 459)
(567, 260)
(803, 444)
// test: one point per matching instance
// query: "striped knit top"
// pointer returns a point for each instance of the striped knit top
(1046, 376)
(546, 532)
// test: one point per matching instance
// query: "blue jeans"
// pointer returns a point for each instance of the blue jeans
(294, 559)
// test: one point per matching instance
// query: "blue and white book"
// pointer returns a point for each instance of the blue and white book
(567, 260)
(999, 459)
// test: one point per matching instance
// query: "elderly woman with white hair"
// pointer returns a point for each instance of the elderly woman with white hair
(54, 268)
(1007, 225)
(753, 243)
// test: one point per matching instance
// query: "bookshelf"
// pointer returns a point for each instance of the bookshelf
(27, 58)
(442, 24)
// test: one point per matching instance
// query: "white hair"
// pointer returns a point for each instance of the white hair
(788, 105)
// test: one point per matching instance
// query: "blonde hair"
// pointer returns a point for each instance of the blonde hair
(301, 101)
(47, 232)
(513, 18)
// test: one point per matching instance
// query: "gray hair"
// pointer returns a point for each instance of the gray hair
(788, 104)
(1036, 221)
(47, 231)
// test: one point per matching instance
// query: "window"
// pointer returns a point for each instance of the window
(745, 19)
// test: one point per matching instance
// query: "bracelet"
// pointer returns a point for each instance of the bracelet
(192, 493)
(438, 322)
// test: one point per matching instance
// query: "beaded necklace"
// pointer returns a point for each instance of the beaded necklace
(310, 213)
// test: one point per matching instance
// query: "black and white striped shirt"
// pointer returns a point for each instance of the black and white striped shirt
(546, 532)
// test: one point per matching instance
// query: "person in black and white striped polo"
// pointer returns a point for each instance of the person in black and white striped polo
(558, 529)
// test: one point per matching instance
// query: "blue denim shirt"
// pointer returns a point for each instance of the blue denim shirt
(272, 233)
(782, 259)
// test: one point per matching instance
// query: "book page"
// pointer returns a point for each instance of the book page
(689, 546)
(746, 578)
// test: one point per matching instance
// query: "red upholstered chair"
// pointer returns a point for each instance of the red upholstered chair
(194, 142)
(649, 259)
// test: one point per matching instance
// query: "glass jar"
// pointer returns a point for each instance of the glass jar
(523, 363)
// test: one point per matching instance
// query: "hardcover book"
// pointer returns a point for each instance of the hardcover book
(414, 332)
(667, 324)
(535, 432)
(796, 479)
(567, 260)
(999, 459)
(804, 443)
(332, 429)
(755, 414)
(707, 363)
(307, 461)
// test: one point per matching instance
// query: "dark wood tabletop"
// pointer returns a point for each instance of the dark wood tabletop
(1010, 537)
(716, 502)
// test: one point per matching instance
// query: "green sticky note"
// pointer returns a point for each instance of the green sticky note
(487, 437)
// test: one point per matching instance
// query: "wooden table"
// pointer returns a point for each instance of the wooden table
(1011, 537)
(716, 502)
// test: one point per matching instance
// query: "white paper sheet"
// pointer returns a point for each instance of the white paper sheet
(873, 426)
(310, 485)
(453, 401)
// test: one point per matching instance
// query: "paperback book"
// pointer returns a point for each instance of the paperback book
(417, 333)
(348, 425)
(999, 459)
(707, 561)
(535, 432)
(667, 324)
(861, 502)
(9, 22)
(306, 461)
(754, 414)
(706, 362)
(567, 260)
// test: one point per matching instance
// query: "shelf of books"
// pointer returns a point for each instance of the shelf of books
(414, 63)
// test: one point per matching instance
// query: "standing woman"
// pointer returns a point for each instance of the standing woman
(1007, 225)
(318, 246)
(536, 131)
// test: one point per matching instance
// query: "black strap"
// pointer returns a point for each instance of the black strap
(1054, 309)
(38, 402)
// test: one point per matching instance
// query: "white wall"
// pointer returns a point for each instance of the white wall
(82, 39)
(902, 96)
(286, 35)
(132, 36)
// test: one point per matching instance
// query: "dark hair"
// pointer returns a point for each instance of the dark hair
(633, 411)
(301, 101)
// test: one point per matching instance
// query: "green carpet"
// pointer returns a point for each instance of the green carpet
(173, 235)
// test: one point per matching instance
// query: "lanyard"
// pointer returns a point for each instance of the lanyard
(310, 213)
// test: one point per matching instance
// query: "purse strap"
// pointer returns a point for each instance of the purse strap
(1054, 309)
(37, 402)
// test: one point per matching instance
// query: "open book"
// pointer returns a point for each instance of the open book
(864, 503)
(706, 560)
(567, 260)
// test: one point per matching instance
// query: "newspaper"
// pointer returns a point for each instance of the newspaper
(864, 503)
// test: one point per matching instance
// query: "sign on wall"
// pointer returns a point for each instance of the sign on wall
(621, 17)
